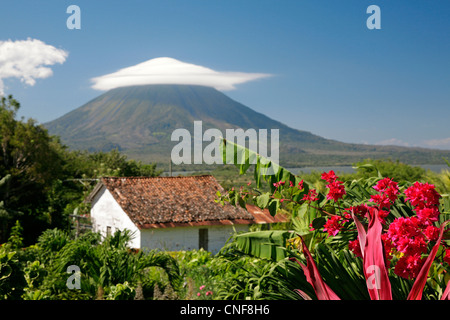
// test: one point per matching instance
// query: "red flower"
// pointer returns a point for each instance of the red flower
(359, 210)
(427, 215)
(355, 247)
(381, 200)
(403, 227)
(300, 185)
(311, 196)
(447, 256)
(382, 214)
(432, 233)
(333, 225)
(330, 177)
(412, 246)
(408, 267)
(422, 195)
(279, 183)
(337, 190)
(387, 187)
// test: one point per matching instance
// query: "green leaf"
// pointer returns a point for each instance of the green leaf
(264, 244)
(274, 205)
(319, 222)
(263, 200)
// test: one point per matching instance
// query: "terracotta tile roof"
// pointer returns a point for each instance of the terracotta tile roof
(161, 202)
(261, 216)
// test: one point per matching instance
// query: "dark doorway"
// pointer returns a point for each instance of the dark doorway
(203, 239)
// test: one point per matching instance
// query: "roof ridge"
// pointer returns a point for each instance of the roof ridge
(160, 177)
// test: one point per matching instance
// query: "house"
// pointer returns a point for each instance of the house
(170, 213)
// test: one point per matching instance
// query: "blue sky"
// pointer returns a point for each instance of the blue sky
(331, 75)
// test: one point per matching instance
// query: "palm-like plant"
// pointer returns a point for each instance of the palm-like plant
(104, 265)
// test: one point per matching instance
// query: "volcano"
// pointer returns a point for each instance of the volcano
(139, 121)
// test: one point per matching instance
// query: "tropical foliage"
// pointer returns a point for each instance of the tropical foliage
(380, 233)
(41, 181)
(397, 231)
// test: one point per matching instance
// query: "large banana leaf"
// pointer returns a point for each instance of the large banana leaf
(264, 244)
(265, 168)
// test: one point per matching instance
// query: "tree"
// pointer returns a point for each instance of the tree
(114, 163)
(387, 168)
(30, 159)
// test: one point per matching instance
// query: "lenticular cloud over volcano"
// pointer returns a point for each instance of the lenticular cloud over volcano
(172, 71)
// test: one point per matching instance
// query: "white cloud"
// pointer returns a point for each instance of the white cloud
(393, 142)
(171, 71)
(443, 143)
(27, 60)
(438, 143)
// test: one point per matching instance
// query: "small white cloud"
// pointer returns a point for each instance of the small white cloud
(171, 71)
(393, 142)
(438, 143)
(28, 60)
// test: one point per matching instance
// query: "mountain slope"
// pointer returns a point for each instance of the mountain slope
(139, 121)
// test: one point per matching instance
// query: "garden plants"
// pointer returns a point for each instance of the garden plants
(397, 230)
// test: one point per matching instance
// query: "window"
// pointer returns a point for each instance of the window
(203, 239)
(108, 231)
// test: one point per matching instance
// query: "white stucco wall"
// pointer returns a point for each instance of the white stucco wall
(105, 211)
(187, 238)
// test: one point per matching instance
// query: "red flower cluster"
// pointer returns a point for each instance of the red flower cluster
(422, 195)
(279, 183)
(337, 189)
(311, 196)
(410, 236)
(333, 225)
(388, 193)
(359, 210)
(329, 176)
(407, 238)
(355, 247)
